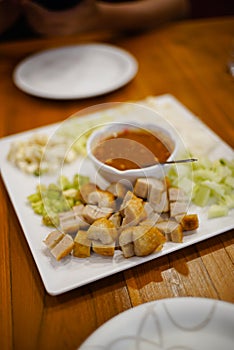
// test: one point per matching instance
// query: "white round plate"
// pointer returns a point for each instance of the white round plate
(168, 324)
(77, 71)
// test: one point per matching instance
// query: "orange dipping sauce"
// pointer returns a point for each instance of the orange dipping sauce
(131, 149)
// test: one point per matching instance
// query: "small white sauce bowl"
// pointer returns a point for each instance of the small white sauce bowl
(112, 174)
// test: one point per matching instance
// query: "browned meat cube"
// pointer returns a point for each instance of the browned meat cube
(103, 249)
(133, 211)
(103, 199)
(172, 230)
(148, 209)
(126, 243)
(53, 238)
(163, 217)
(177, 235)
(92, 213)
(71, 223)
(78, 209)
(157, 187)
(190, 222)
(102, 230)
(86, 189)
(118, 189)
(167, 226)
(128, 196)
(162, 203)
(146, 240)
(82, 245)
(147, 188)
(63, 248)
(116, 218)
(141, 188)
(176, 194)
(178, 208)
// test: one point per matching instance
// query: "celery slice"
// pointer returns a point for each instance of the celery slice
(216, 210)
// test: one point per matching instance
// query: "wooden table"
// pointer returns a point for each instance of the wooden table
(186, 59)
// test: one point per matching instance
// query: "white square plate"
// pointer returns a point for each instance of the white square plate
(70, 273)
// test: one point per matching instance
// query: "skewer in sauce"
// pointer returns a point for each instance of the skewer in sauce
(132, 149)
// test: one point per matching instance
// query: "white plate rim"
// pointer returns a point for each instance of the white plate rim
(129, 72)
(205, 307)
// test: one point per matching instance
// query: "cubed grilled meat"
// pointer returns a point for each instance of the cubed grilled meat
(146, 240)
(63, 248)
(133, 211)
(102, 230)
(53, 238)
(93, 212)
(82, 245)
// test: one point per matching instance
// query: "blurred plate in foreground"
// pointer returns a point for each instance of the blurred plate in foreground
(176, 323)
